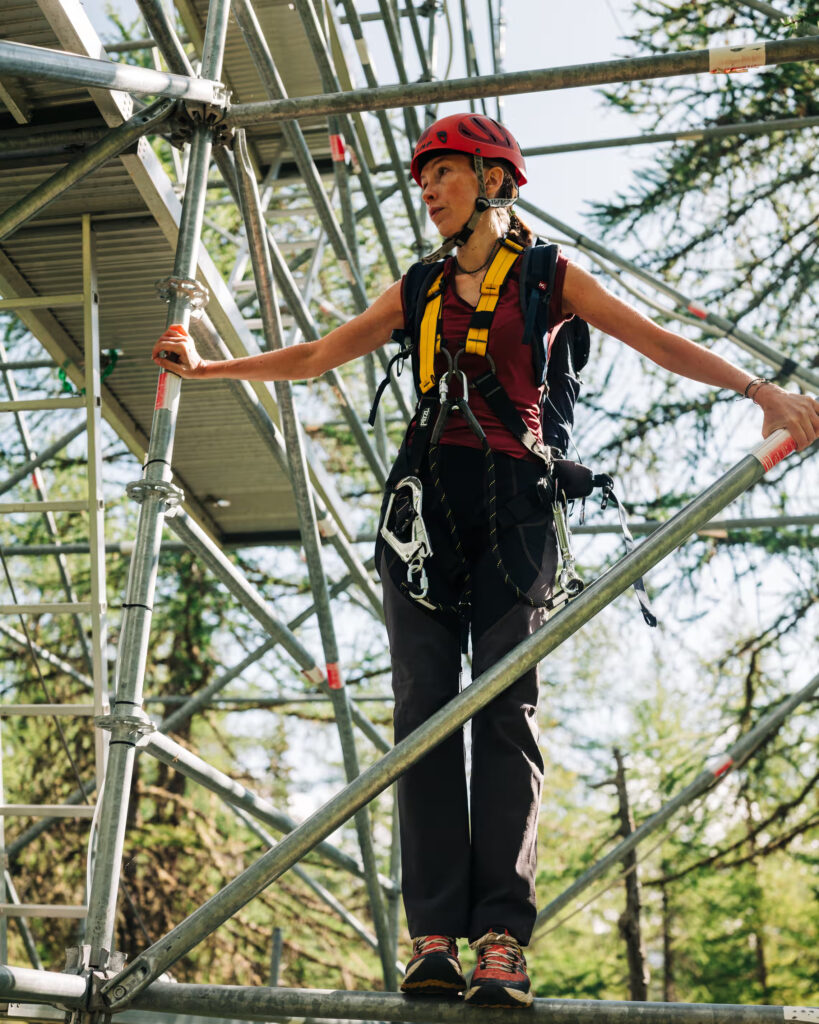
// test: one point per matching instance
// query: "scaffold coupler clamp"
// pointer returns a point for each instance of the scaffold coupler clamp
(78, 961)
(129, 726)
(197, 294)
(408, 535)
(173, 496)
(188, 114)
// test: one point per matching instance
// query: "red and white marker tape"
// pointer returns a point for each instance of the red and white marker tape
(729, 59)
(337, 148)
(721, 765)
(697, 309)
(774, 449)
(163, 399)
(334, 676)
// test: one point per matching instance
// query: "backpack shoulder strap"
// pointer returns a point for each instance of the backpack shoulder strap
(537, 282)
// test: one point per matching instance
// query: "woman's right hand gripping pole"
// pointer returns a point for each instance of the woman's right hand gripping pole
(175, 351)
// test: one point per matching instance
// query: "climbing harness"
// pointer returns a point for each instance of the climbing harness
(562, 481)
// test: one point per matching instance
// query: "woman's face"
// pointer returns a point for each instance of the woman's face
(449, 188)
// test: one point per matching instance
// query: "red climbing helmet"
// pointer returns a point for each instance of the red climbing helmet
(474, 134)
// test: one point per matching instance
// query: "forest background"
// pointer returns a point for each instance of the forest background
(729, 891)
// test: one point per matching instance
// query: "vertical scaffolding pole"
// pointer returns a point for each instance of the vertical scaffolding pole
(263, 272)
(128, 720)
(96, 506)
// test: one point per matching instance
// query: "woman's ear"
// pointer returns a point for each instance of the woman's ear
(494, 179)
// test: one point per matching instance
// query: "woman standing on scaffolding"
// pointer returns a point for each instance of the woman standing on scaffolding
(469, 864)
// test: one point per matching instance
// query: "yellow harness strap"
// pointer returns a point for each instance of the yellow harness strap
(430, 337)
(478, 337)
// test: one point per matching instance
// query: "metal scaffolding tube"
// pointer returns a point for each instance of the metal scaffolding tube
(23, 926)
(321, 891)
(786, 367)
(26, 142)
(190, 706)
(231, 1002)
(716, 769)
(282, 1003)
(388, 97)
(234, 703)
(47, 453)
(271, 81)
(397, 48)
(774, 12)
(116, 141)
(173, 53)
(38, 480)
(155, 489)
(331, 84)
(57, 66)
(263, 274)
(119, 990)
(690, 135)
(310, 330)
(233, 793)
(397, 164)
(245, 593)
(165, 38)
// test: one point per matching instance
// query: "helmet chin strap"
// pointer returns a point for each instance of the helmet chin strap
(482, 203)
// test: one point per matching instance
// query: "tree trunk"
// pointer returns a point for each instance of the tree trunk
(629, 923)
(669, 988)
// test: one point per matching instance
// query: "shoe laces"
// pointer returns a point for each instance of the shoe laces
(433, 944)
(499, 951)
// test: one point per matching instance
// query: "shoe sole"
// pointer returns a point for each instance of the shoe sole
(447, 980)
(433, 988)
(499, 997)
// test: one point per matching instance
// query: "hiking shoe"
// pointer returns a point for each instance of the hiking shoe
(500, 977)
(434, 969)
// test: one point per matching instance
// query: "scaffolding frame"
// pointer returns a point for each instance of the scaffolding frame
(97, 982)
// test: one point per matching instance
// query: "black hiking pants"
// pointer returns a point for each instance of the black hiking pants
(469, 859)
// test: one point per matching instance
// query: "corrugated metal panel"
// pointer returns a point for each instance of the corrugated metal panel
(219, 453)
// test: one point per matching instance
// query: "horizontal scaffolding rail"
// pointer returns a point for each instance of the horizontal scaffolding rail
(231, 1002)
(388, 97)
(54, 65)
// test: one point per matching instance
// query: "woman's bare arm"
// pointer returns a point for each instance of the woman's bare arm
(364, 333)
(584, 295)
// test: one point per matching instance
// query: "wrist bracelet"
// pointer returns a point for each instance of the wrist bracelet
(758, 381)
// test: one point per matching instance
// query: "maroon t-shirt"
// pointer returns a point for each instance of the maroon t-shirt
(513, 361)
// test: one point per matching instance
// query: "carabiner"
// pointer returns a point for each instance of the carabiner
(417, 547)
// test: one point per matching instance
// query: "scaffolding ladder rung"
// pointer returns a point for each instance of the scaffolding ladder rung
(42, 910)
(46, 709)
(47, 608)
(43, 506)
(43, 404)
(47, 810)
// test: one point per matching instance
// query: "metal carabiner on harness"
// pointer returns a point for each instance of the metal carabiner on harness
(568, 580)
(415, 549)
(462, 403)
(444, 401)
